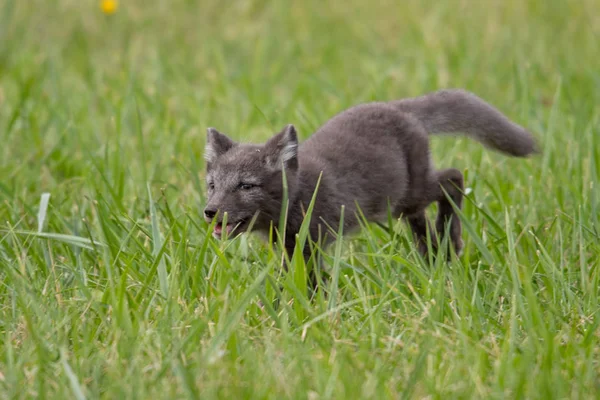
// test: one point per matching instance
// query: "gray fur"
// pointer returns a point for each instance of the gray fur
(372, 154)
(451, 111)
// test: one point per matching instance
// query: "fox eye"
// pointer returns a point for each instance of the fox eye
(211, 186)
(246, 186)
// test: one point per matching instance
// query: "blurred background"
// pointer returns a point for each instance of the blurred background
(134, 84)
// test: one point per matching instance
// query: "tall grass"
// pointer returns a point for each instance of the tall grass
(112, 287)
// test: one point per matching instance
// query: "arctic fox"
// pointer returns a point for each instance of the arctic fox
(373, 156)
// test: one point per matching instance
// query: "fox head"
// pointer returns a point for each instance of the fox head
(246, 180)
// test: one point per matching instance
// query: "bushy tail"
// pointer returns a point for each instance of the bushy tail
(458, 111)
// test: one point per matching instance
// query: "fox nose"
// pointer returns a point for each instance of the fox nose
(210, 213)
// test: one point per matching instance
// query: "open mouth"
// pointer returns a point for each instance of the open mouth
(229, 228)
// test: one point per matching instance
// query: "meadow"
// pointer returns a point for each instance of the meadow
(111, 285)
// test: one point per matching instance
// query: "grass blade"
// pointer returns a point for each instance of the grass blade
(158, 243)
(73, 380)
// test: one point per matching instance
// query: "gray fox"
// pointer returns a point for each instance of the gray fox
(374, 156)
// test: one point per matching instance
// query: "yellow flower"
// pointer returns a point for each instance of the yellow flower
(108, 6)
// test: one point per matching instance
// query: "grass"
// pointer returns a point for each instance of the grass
(112, 288)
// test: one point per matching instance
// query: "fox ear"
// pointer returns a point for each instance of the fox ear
(283, 148)
(216, 145)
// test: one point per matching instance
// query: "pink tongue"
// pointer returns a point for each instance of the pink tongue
(219, 228)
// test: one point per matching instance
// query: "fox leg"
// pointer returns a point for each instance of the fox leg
(420, 226)
(449, 183)
(309, 256)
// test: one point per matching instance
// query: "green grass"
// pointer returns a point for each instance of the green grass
(115, 289)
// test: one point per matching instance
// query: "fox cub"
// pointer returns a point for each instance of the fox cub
(372, 156)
